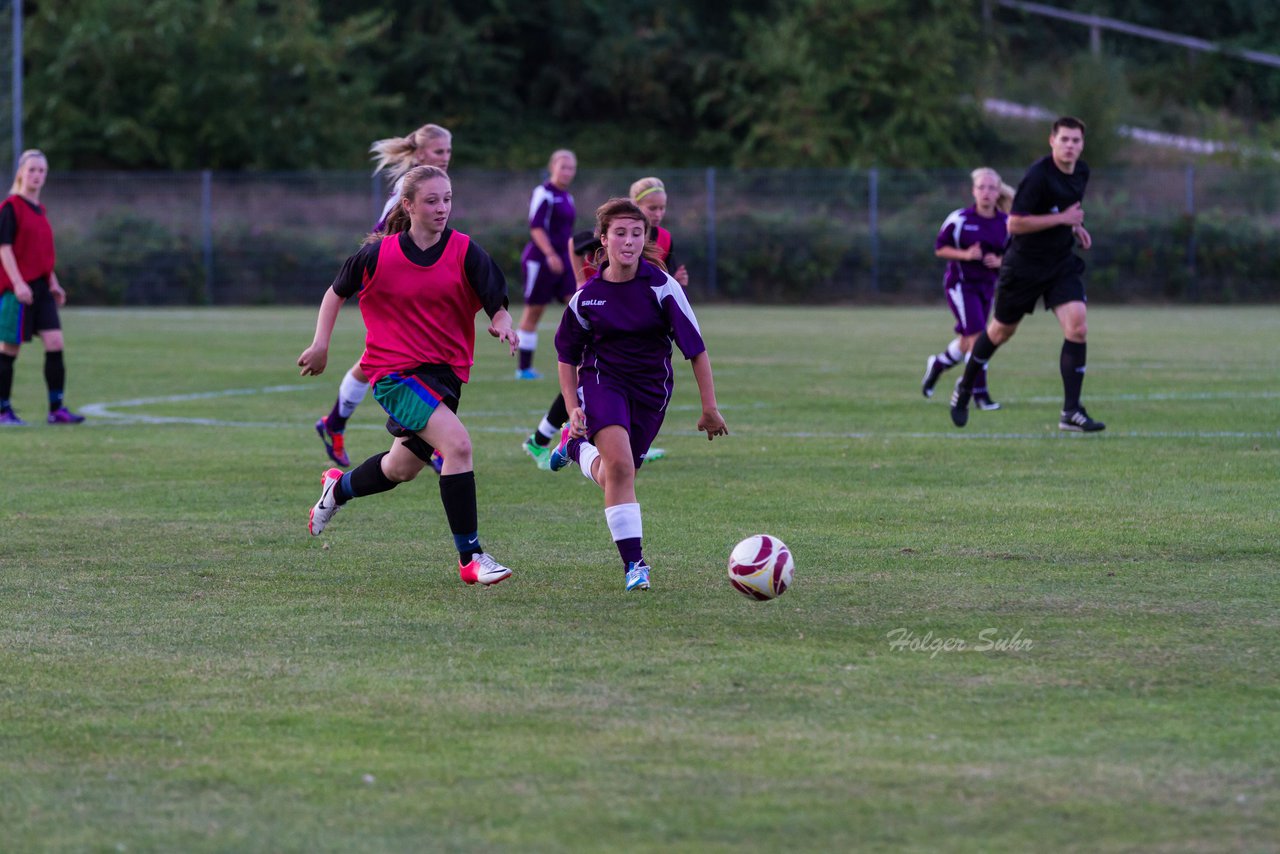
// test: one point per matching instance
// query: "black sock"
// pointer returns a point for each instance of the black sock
(458, 494)
(983, 350)
(1072, 365)
(55, 377)
(365, 479)
(557, 414)
(6, 379)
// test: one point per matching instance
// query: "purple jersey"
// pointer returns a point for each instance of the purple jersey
(551, 209)
(962, 229)
(621, 332)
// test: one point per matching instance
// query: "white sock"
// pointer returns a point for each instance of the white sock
(350, 394)
(624, 521)
(547, 430)
(528, 340)
(587, 454)
(954, 351)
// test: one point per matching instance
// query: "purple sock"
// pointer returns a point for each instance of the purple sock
(334, 421)
(526, 359)
(630, 550)
(573, 448)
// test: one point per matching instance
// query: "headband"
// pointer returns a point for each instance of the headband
(656, 188)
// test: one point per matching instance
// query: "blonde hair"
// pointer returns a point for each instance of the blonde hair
(624, 209)
(645, 187)
(29, 154)
(1004, 202)
(394, 155)
(557, 154)
(398, 220)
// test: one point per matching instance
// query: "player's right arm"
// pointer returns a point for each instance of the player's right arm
(1030, 223)
(9, 261)
(355, 273)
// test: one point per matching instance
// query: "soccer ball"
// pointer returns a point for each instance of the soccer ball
(760, 567)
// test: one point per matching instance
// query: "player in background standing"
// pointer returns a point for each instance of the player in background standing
(29, 290)
(614, 348)
(650, 195)
(420, 285)
(972, 242)
(548, 272)
(1046, 222)
(429, 145)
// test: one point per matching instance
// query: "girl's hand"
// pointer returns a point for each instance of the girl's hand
(992, 260)
(22, 291)
(577, 423)
(681, 275)
(313, 360)
(59, 295)
(712, 423)
(554, 264)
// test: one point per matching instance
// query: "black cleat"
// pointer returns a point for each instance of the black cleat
(960, 406)
(1078, 421)
(932, 371)
(983, 401)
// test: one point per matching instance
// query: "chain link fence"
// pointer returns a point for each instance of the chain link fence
(1202, 234)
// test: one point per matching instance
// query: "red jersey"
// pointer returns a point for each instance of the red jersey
(24, 226)
(416, 315)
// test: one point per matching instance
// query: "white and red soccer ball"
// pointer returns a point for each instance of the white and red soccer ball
(760, 567)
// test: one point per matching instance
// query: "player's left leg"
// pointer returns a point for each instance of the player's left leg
(1072, 317)
(55, 377)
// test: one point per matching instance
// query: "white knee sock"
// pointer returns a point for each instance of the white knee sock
(624, 521)
(528, 340)
(350, 394)
(587, 454)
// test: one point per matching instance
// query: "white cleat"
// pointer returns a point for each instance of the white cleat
(483, 569)
(326, 506)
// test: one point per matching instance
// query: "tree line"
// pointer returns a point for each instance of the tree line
(300, 84)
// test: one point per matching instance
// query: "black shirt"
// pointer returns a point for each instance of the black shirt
(483, 274)
(1046, 189)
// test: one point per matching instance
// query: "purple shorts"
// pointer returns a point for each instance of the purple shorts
(542, 286)
(971, 306)
(607, 405)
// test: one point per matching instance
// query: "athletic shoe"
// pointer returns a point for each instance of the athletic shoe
(437, 461)
(983, 401)
(637, 575)
(653, 454)
(933, 369)
(483, 569)
(527, 374)
(334, 443)
(1078, 421)
(9, 418)
(62, 415)
(541, 453)
(326, 506)
(960, 406)
(559, 458)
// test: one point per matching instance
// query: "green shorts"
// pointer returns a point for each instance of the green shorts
(409, 397)
(11, 318)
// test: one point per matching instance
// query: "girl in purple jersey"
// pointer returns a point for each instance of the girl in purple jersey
(614, 347)
(548, 272)
(972, 241)
(429, 145)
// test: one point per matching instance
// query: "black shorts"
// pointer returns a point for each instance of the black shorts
(42, 314)
(1021, 286)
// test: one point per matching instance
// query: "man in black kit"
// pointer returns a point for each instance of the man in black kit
(1045, 223)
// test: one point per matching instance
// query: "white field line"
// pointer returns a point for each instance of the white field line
(104, 413)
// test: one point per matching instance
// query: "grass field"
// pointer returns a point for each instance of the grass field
(182, 668)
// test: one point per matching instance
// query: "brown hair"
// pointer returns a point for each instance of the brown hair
(398, 220)
(394, 155)
(29, 154)
(625, 209)
(1067, 122)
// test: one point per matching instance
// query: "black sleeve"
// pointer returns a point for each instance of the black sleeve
(1029, 200)
(8, 225)
(585, 244)
(355, 271)
(486, 279)
(671, 262)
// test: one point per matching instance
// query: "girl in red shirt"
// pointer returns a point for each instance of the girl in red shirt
(29, 289)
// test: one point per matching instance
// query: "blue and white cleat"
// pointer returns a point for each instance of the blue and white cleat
(560, 456)
(527, 374)
(637, 575)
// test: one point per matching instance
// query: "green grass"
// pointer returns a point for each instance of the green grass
(182, 668)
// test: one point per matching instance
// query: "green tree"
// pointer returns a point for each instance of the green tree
(830, 83)
(186, 84)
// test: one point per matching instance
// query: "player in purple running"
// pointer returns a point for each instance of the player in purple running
(429, 145)
(972, 242)
(614, 346)
(1047, 221)
(29, 290)
(420, 285)
(548, 272)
